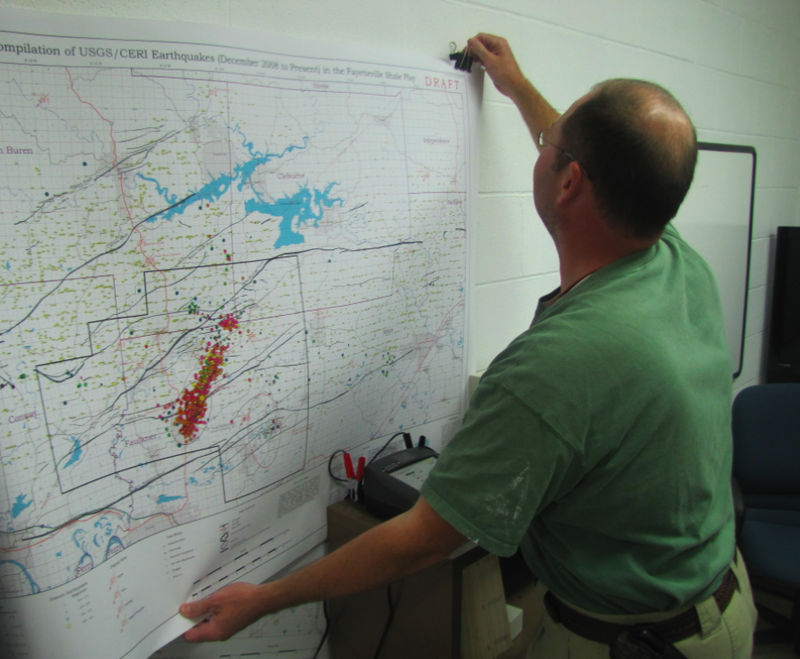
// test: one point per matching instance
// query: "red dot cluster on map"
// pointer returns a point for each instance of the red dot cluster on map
(192, 406)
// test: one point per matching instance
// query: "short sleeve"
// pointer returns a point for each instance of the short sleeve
(504, 466)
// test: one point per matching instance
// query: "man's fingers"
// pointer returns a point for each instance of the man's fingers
(195, 634)
(223, 613)
(194, 609)
(477, 50)
(208, 630)
(488, 43)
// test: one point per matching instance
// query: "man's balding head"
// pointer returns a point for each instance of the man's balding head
(640, 148)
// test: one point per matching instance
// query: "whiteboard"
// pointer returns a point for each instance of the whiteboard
(716, 219)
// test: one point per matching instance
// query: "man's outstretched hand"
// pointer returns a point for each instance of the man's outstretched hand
(388, 552)
(226, 612)
(498, 60)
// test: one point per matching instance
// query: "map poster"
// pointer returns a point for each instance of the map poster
(225, 255)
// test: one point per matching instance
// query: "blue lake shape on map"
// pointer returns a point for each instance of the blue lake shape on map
(77, 451)
(303, 206)
(20, 505)
(165, 499)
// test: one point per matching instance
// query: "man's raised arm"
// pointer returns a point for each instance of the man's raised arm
(395, 549)
(498, 60)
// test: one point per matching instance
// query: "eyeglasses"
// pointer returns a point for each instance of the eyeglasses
(541, 140)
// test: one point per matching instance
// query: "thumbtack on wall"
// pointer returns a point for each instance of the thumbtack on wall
(463, 60)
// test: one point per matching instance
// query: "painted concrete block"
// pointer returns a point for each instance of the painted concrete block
(754, 350)
(556, 60)
(761, 52)
(499, 236)
(774, 207)
(507, 150)
(717, 34)
(364, 23)
(757, 306)
(762, 254)
(773, 110)
(781, 15)
(539, 254)
(788, 62)
(503, 311)
(736, 103)
(674, 28)
(612, 18)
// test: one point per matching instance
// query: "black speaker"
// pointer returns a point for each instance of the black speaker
(783, 355)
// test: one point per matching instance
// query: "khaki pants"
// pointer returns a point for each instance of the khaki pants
(724, 636)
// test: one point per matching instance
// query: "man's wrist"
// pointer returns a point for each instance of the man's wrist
(523, 92)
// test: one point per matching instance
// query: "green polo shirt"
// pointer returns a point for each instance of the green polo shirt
(599, 440)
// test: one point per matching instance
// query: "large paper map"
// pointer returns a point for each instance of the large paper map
(221, 261)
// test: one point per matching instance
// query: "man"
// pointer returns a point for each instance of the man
(599, 440)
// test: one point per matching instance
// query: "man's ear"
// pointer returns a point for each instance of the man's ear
(572, 181)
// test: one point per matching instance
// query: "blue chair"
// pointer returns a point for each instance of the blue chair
(766, 466)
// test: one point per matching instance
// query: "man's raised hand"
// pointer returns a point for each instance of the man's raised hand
(498, 60)
(495, 55)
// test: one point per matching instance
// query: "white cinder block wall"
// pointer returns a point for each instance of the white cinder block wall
(734, 64)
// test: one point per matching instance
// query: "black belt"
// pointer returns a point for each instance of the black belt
(673, 629)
